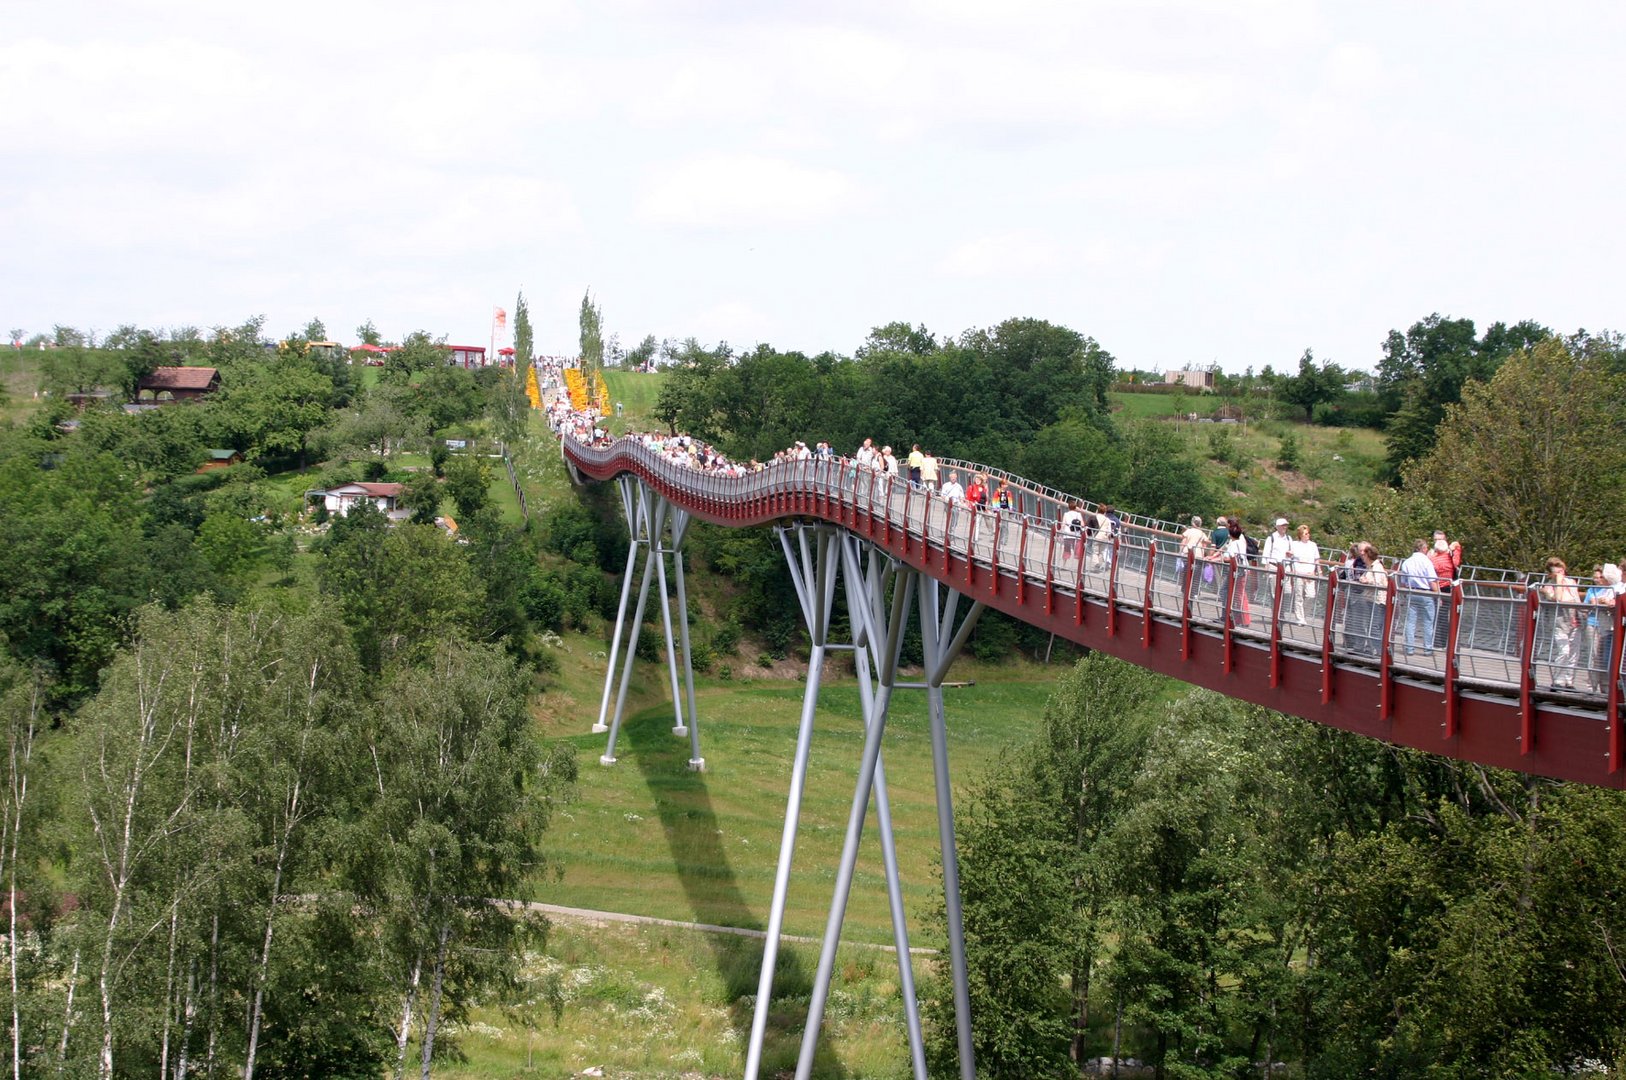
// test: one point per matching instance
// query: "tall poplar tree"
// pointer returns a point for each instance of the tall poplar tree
(592, 338)
(523, 342)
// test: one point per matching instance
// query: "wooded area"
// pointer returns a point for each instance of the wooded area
(265, 764)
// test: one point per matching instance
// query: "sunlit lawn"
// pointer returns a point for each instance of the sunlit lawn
(650, 837)
(637, 392)
(651, 1002)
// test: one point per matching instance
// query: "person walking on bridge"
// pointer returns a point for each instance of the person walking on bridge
(1562, 619)
(1305, 570)
(1446, 555)
(1276, 550)
(1107, 526)
(1072, 532)
(1235, 553)
(1422, 600)
(866, 455)
(1193, 544)
(1601, 600)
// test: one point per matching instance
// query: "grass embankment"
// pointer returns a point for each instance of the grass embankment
(649, 1001)
(1332, 470)
(19, 383)
(637, 392)
(650, 837)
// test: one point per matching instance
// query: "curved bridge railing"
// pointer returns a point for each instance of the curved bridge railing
(1488, 671)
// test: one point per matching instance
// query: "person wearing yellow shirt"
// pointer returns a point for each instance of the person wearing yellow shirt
(916, 460)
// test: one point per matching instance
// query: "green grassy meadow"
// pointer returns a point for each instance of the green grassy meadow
(19, 382)
(656, 1001)
(637, 391)
(650, 837)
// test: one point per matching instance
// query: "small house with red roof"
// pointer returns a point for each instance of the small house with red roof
(166, 384)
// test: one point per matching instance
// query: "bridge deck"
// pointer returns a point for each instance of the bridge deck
(1482, 691)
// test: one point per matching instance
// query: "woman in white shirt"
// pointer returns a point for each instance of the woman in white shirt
(1303, 558)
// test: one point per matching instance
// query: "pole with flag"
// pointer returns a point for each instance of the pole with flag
(499, 318)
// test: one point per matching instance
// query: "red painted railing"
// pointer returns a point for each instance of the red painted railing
(1484, 696)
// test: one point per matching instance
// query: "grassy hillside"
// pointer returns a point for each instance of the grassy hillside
(650, 837)
(19, 382)
(637, 392)
(655, 1001)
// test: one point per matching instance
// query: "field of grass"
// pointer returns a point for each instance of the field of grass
(19, 382)
(1337, 468)
(650, 837)
(637, 392)
(1136, 406)
(1334, 471)
(666, 1002)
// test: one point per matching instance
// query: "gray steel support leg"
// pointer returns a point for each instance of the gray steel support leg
(886, 663)
(632, 654)
(938, 659)
(634, 522)
(871, 776)
(821, 592)
(680, 525)
(679, 727)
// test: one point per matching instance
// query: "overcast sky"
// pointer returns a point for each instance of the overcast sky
(1187, 182)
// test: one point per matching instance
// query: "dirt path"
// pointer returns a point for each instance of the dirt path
(586, 915)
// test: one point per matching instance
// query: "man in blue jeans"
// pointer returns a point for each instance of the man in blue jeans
(1422, 601)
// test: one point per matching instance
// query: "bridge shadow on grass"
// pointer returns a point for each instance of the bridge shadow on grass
(683, 801)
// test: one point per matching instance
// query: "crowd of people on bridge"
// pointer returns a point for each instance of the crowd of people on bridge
(1576, 625)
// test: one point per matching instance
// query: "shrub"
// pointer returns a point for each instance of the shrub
(727, 638)
(1288, 456)
(650, 643)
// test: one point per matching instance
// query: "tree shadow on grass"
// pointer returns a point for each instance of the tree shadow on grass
(683, 801)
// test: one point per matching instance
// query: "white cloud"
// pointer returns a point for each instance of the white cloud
(1007, 254)
(744, 191)
(733, 321)
(953, 161)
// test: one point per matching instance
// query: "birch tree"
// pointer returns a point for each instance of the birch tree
(134, 768)
(20, 713)
(463, 797)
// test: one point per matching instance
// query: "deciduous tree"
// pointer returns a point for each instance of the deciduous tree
(1315, 384)
(1533, 463)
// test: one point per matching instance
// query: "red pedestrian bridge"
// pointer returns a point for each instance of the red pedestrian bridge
(1488, 671)
(1485, 696)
